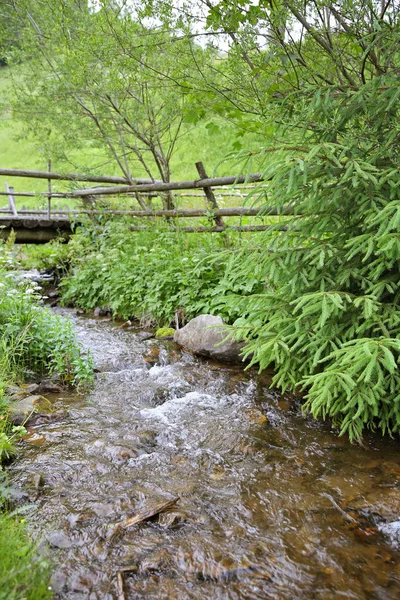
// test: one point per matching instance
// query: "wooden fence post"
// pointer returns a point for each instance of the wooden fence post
(49, 190)
(11, 200)
(209, 194)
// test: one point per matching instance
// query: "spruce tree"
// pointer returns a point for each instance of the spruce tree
(328, 318)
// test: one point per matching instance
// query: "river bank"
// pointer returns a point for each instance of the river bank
(33, 342)
(272, 504)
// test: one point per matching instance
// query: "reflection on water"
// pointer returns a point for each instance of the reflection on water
(272, 504)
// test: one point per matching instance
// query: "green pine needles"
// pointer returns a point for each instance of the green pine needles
(328, 319)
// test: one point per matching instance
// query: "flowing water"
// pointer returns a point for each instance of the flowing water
(272, 504)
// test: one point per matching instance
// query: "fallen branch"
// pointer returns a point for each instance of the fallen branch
(143, 515)
(120, 579)
(344, 514)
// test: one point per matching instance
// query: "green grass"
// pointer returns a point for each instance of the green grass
(197, 143)
(30, 337)
(24, 574)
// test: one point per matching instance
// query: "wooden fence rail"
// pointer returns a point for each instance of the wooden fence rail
(215, 229)
(71, 177)
(239, 211)
(60, 219)
(162, 186)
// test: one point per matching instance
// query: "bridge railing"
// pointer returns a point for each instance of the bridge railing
(210, 189)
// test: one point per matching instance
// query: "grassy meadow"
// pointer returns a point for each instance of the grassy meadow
(211, 145)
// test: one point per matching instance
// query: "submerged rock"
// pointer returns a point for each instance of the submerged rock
(145, 335)
(58, 539)
(102, 312)
(205, 335)
(171, 519)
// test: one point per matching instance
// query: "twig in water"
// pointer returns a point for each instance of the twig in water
(144, 515)
(342, 512)
(120, 586)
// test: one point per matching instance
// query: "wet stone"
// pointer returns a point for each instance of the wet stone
(19, 393)
(13, 390)
(58, 539)
(76, 519)
(57, 415)
(205, 335)
(121, 453)
(256, 416)
(23, 409)
(49, 386)
(33, 437)
(145, 335)
(38, 481)
(171, 519)
(30, 388)
(160, 560)
(152, 355)
(384, 502)
(392, 531)
(102, 312)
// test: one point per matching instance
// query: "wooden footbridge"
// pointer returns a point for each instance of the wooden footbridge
(42, 225)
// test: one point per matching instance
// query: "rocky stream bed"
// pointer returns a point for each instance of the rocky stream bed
(271, 503)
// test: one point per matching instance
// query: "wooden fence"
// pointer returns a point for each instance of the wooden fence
(143, 191)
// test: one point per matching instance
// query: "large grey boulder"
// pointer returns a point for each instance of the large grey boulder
(203, 336)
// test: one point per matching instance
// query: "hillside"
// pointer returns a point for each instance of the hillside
(202, 142)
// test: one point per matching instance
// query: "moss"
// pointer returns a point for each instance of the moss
(165, 332)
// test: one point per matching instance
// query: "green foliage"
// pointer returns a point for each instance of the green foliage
(150, 275)
(23, 573)
(328, 319)
(9, 434)
(33, 338)
(53, 255)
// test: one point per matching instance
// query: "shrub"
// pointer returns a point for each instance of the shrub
(328, 319)
(34, 338)
(151, 274)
